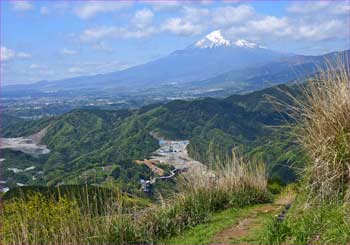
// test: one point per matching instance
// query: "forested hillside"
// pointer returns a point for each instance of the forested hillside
(87, 145)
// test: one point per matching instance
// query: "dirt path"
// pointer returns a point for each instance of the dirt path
(245, 228)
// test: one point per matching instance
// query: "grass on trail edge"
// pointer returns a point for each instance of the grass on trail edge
(205, 233)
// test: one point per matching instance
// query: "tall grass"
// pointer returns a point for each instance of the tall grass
(326, 136)
(309, 223)
(41, 220)
(321, 213)
(323, 116)
(67, 217)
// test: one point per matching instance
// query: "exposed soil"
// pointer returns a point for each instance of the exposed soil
(37, 137)
(151, 165)
(247, 224)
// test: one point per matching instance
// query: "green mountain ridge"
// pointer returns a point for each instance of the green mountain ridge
(87, 139)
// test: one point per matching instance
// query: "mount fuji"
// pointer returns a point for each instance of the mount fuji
(216, 39)
(208, 57)
(213, 62)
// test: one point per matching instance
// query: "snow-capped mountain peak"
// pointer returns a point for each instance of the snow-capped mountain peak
(213, 39)
(216, 39)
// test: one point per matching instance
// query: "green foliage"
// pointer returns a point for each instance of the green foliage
(318, 223)
(61, 215)
(204, 233)
(87, 197)
(84, 141)
(39, 221)
(181, 213)
(16, 127)
(275, 186)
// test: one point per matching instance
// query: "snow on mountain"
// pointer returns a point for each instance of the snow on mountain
(213, 39)
(216, 39)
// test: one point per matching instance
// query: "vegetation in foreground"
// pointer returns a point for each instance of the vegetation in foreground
(237, 225)
(321, 213)
(41, 219)
(204, 233)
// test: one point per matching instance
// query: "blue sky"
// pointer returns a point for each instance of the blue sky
(49, 40)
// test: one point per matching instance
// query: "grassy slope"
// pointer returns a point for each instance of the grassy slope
(236, 225)
(306, 223)
(211, 231)
(204, 233)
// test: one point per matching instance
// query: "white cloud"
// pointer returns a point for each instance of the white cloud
(22, 6)
(66, 51)
(311, 22)
(165, 5)
(37, 67)
(93, 8)
(24, 55)
(269, 28)
(8, 54)
(225, 16)
(56, 8)
(91, 68)
(324, 7)
(304, 7)
(142, 18)
(269, 24)
(138, 33)
(75, 70)
(97, 33)
(195, 15)
(102, 47)
(180, 27)
(44, 10)
(341, 9)
(329, 29)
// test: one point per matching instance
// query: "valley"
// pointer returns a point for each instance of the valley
(213, 66)
(100, 146)
(174, 153)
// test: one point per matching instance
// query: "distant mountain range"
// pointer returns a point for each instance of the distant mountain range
(213, 62)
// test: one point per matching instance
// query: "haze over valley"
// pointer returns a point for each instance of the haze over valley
(212, 67)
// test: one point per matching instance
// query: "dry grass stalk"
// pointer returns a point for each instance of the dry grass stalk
(234, 173)
(323, 115)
